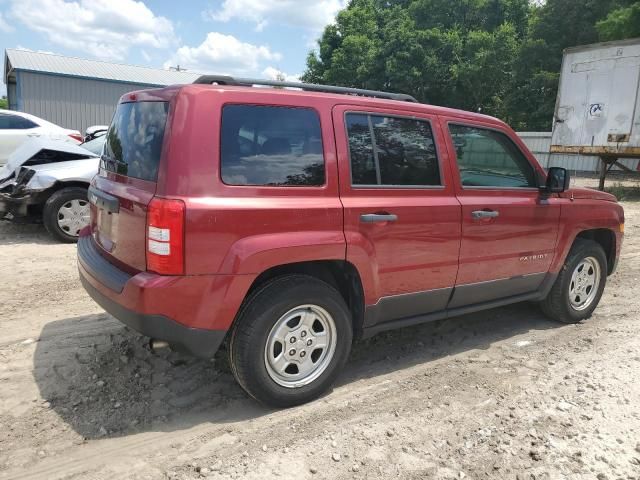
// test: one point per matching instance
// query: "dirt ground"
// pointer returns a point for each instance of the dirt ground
(499, 394)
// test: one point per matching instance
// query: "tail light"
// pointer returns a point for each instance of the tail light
(165, 236)
(76, 136)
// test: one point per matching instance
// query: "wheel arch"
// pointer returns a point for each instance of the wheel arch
(56, 187)
(606, 238)
(70, 184)
(340, 274)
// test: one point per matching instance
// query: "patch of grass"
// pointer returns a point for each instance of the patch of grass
(624, 193)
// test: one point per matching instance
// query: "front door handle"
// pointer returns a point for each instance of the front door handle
(480, 214)
(378, 217)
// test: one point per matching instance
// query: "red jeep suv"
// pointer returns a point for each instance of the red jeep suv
(288, 222)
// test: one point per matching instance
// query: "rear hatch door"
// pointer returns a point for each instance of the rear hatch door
(126, 182)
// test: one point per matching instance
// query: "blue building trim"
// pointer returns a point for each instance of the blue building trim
(68, 75)
(18, 92)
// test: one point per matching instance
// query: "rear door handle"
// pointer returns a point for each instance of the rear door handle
(378, 217)
(480, 214)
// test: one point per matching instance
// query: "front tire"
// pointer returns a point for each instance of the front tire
(66, 212)
(290, 341)
(580, 284)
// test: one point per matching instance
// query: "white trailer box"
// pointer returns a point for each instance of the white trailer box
(598, 105)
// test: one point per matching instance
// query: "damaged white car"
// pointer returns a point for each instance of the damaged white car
(46, 181)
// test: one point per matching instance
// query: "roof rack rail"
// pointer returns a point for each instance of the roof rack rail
(312, 87)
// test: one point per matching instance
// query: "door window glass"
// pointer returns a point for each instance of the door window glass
(487, 158)
(392, 151)
(363, 164)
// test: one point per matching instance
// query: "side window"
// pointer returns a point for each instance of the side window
(363, 164)
(487, 158)
(5, 122)
(271, 146)
(14, 122)
(391, 151)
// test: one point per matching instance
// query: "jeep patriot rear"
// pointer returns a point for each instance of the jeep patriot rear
(289, 222)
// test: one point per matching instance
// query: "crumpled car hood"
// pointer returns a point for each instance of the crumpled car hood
(49, 151)
(588, 194)
(70, 171)
(94, 162)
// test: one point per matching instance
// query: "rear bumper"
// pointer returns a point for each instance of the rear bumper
(199, 342)
(191, 312)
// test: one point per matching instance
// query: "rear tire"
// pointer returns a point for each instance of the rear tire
(65, 213)
(290, 341)
(580, 284)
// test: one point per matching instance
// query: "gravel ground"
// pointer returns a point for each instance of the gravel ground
(499, 394)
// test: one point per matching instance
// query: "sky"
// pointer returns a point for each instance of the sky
(235, 37)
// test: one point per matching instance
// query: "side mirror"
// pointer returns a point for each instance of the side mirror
(557, 180)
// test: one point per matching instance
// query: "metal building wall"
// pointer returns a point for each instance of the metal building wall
(540, 142)
(69, 101)
(12, 96)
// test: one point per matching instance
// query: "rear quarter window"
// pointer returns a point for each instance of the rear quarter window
(271, 146)
(133, 144)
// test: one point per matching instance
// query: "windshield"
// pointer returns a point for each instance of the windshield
(95, 145)
(134, 140)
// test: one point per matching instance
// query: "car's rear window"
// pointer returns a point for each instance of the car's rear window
(271, 146)
(134, 141)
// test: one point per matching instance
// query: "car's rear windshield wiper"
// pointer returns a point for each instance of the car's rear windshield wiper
(112, 160)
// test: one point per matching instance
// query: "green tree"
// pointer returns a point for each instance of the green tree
(468, 15)
(449, 52)
(501, 57)
(4, 103)
(620, 23)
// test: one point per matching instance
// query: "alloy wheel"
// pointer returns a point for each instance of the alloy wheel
(300, 346)
(583, 287)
